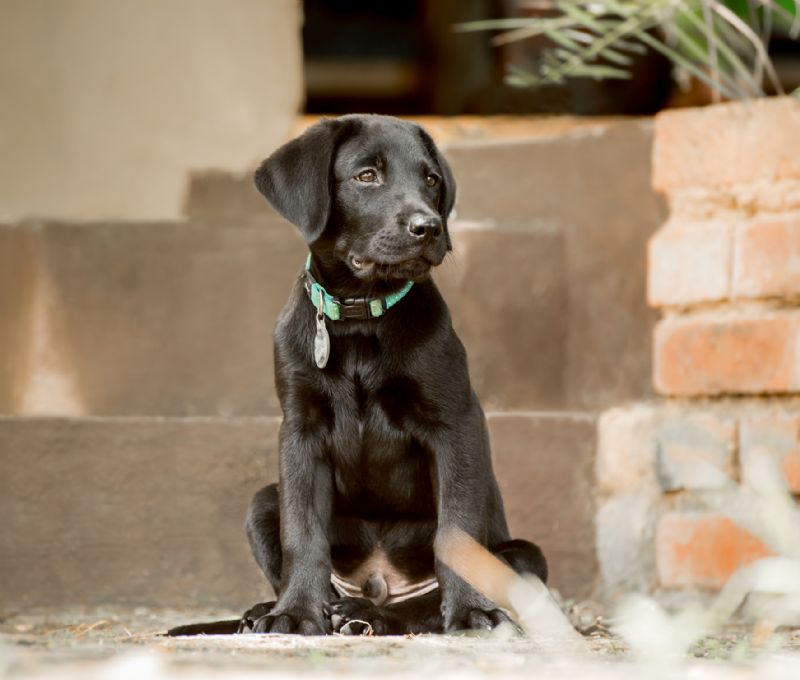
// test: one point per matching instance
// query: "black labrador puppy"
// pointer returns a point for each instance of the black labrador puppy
(383, 443)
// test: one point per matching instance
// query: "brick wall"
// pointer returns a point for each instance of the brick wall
(679, 478)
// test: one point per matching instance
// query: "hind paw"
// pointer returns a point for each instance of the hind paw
(249, 618)
(356, 616)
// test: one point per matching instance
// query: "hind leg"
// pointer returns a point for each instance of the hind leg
(263, 526)
(522, 556)
(264, 533)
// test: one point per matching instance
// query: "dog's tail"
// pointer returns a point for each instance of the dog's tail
(227, 627)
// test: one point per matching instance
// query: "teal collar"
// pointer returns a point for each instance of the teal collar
(350, 308)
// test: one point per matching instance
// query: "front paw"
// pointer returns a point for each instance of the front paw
(272, 618)
(356, 616)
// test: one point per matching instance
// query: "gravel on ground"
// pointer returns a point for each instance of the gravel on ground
(126, 642)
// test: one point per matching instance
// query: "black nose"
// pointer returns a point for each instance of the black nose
(425, 226)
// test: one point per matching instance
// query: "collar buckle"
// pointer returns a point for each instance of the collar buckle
(359, 308)
(355, 308)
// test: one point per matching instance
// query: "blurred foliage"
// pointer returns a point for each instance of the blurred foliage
(724, 44)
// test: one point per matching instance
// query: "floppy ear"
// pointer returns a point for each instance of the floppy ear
(447, 197)
(297, 179)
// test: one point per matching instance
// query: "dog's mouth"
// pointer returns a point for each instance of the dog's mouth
(414, 268)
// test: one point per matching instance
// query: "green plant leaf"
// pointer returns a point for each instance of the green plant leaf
(692, 68)
(719, 42)
(700, 53)
(493, 24)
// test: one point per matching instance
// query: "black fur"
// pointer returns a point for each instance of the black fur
(387, 445)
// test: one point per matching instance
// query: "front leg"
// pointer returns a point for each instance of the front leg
(305, 515)
(463, 482)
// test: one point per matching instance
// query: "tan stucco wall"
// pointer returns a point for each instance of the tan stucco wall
(107, 104)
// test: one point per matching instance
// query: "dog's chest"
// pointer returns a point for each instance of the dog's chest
(379, 462)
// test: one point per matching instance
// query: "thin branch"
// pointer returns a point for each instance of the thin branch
(631, 23)
(689, 66)
(725, 51)
(535, 27)
(711, 38)
(792, 17)
(766, 34)
(493, 24)
(743, 28)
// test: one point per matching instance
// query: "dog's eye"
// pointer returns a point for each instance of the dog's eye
(367, 176)
(431, 180)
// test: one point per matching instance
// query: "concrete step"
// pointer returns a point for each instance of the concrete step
(151, 510)
(130, 509)
(547, 283)
(592, 187)
(506, 294)
(544, 463)
(169, 318)
(176, 318)
(546, 287)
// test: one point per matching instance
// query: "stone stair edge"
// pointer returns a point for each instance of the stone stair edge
(555, 414)
(231, 220)
(518, 130)
(131, 419)
(580, 132)
(492, 128)
(578, 415)
(250, 221)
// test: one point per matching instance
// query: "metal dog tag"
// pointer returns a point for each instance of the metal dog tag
(322, 341)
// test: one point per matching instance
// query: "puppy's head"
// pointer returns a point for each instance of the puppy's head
(372, 192)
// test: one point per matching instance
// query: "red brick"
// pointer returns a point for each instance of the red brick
(791, 468)
(767, 257)
(703, 549)
(741, 353)
(689, 263)
(776, 437)
(727, 144)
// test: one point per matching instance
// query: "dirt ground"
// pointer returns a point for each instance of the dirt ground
(126, 643)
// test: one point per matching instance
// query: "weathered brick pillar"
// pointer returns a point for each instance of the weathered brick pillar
(675, 477)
